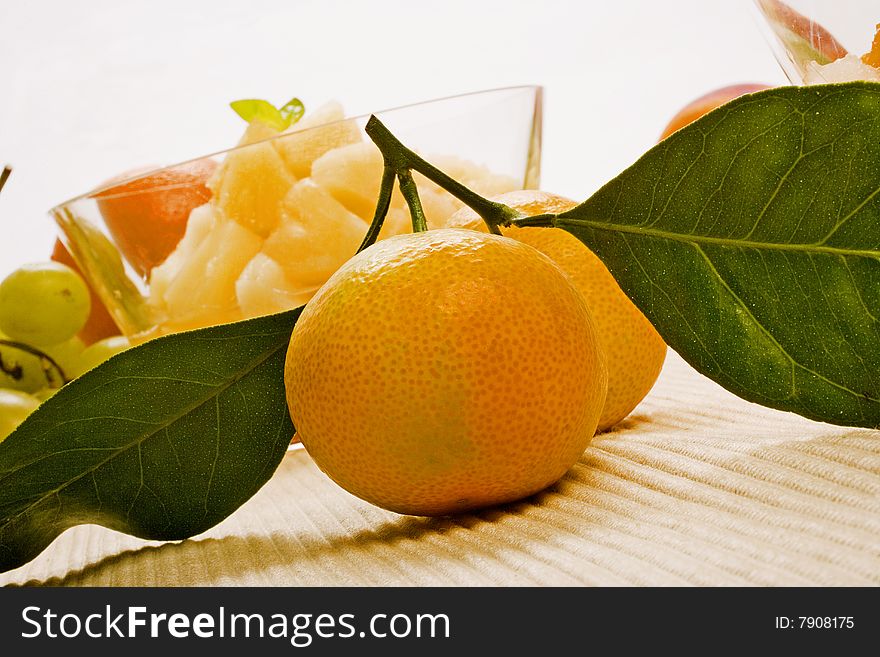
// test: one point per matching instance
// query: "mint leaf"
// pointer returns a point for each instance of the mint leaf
(292, 111)
(262, 110)
(259, 110)
(751, 240)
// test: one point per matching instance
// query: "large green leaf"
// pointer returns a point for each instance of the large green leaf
(751, 240)
(162, 441)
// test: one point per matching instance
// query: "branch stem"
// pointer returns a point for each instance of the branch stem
(401, 159)
(536, 221)
(386, 188)
(4, 175)
(411, 194)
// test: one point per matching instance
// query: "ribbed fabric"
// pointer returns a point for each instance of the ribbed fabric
(697, 487)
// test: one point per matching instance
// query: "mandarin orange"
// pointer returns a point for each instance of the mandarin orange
(633, 349)
(443, 371)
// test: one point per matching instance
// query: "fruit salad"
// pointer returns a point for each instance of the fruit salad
(817, 56)
(848, 67)
(286, 210)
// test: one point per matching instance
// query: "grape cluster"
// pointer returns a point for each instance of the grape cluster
(42, 308)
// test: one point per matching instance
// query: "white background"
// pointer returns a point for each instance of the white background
(90, 89)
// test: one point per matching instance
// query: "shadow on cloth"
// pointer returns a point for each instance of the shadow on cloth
(206, 561)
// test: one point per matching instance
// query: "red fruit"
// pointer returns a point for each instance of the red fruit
(819, 38)
(706, 103)
(147, 216)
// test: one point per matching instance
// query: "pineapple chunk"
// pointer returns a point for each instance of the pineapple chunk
(316, 133)
(198, 226)
(352, 174)
(477, 177)
(263, 288)
(257, 131)
(250, 184)
(397, 222)
(315, 237)
(203, 291)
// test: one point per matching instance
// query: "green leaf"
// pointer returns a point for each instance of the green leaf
(262, 110)
(751, 240)
(162, 441)
(259, 110)
(292, 111)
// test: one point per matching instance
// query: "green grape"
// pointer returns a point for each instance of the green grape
(25, 370)
(15, 406)
(66, 355)
(43, 304)
(44, 394)
(20, 370)
(97, 353)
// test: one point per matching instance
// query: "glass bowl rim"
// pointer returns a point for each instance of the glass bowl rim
(537, 88)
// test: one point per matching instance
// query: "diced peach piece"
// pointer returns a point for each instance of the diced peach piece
(475, 176)
(316, 236)
(203, 290)
(257, 131)
(315, 134)
(263, 288)
(250, 185)
(198, 227)
(352, 174)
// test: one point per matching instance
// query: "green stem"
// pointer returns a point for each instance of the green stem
(411, 194)
(401, 158)
(4, 175)
(45, 359)
(536, 221)
(386, 188)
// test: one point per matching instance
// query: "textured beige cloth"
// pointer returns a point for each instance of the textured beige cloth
(696, 487)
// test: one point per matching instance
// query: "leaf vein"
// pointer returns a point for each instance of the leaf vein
(773, 339)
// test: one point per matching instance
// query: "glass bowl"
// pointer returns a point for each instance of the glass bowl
(819, 41)
(257, 228)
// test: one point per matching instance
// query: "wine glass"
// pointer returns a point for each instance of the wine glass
(821, 41)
